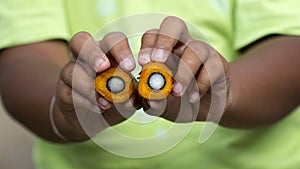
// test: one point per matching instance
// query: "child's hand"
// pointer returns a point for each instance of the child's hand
(198, 68)
(75, 94)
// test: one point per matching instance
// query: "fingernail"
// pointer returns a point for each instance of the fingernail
(98, 63)
(103, 102)
(151, 103)
(195, 97)
(159, 55)
(177, 88)
(145, 58)
(127, 64)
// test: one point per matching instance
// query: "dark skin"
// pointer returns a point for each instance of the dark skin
(263, 85)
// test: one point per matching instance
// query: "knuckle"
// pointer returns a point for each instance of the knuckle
(149, 34)
(165, 42)
(152, 31)
(114, 36)
(68, 99)
(191, 61)
(199, 48)
(64, 95)
(194, 44)
(203, 86)
(174, 20)
(67, 73)
(115, 41)
(79, 37)
(173, 25)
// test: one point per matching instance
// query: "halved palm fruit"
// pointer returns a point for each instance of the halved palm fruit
(114, 85)
(156, 81)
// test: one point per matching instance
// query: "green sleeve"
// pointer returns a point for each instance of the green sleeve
(255, 19)
(31, 21)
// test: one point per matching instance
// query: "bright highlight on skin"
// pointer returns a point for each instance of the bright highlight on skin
(156, 81)
(115, 84)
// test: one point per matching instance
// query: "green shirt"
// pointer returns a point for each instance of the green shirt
(229, 26)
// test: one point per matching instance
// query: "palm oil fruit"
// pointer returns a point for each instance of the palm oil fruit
(156, 81)
(114, 85)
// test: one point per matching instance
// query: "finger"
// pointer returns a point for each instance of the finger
(126, 109)
(104, 104)
(63, 94)
(116, 44)
(213, 70)
(157, 107)
(172, 30)
(86, 49)
(194, 55)
(81, 102)
(148, 41)
(119, 112)
(70, 99)
(193, 92)
(76, 77)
